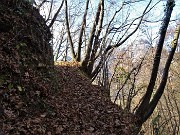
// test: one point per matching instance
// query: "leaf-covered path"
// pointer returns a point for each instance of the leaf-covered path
(77, 108)
(82, 109)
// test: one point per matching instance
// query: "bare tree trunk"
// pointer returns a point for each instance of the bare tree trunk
(86, 61)
(68, 31)
(146, 108)
(81, 32)
(162, 85)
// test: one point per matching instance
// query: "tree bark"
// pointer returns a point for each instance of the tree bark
(142, 109)
(81, 32)
(68, 31)
(162, 85)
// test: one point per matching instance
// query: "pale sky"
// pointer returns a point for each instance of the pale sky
(135, 10)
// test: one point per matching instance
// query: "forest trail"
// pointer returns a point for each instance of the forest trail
(83, 109)
(38, 98)
(77, 108)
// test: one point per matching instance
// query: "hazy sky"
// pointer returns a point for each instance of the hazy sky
(134, 10)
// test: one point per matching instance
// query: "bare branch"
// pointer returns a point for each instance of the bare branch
(56, 15)
(68, 31)
(162, 85)
(92, 34)
(128, 36)
(81, 32)
(50, 10)
(96, 43)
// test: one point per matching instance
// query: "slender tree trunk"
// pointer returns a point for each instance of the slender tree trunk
(145, 104)
(162, 85)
